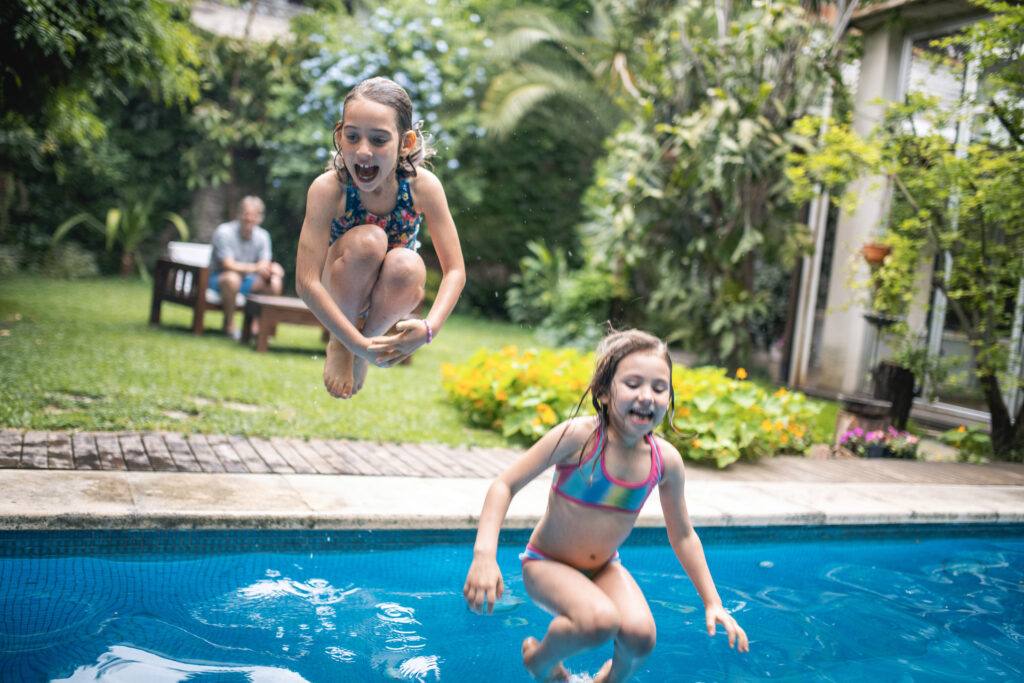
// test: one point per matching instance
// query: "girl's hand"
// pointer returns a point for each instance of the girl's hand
(392, 350)
(484, 586)
(737, 636)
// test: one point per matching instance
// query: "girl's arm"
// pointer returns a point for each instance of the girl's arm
(430, 199)
(688, 548)
(321, 205)
(484, 585)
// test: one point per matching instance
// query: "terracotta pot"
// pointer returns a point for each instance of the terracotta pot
(875, 253)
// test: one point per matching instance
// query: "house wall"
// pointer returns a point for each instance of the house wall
(847, 340)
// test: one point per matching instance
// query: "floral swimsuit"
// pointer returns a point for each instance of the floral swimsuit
(402, 225)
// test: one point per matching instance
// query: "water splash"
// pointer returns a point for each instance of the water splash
(122, 664)
(420, 669)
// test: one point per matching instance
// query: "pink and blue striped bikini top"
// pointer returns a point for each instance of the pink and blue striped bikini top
(588, 484)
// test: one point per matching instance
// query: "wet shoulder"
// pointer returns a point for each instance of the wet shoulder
(424, 187)
(574, 436)
(671, 459)
(328, 192)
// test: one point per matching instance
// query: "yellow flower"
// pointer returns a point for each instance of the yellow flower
(448, 370)
(695, 443)
(781, 393)
(535, 422)
(766, 425)
(741, 373)
(961, 429)
(547, 414)
(796, 430)
(509, 351)
(783, 437)
(501, 395)
(683, 411)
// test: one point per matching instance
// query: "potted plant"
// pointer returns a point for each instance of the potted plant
(900, 444)
(875, 253)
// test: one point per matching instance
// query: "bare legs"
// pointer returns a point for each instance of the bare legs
(588, 613)
(231, 282)
(362, 275)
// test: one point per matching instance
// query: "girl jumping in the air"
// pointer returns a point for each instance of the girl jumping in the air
(606, 466)
(357, 268)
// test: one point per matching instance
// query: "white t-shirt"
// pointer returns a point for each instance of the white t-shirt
(228, 243)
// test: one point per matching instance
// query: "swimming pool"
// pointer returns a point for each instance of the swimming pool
(916, 602)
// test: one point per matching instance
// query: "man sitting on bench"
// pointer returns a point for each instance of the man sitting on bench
(241, 261)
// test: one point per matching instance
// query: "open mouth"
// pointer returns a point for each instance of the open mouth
(366, 174)
(641, 415)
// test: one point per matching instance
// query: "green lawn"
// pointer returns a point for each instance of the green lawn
(80, 355)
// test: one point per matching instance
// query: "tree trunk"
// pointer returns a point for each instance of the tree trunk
(891, 382)
(1007, 433)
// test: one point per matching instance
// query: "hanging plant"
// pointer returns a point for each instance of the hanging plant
(875, 253)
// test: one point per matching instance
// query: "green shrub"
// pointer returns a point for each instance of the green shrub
(568, 306)
(724, 419)
(68, 262)
(520, 393)
(972, 444)
(718, 418)
(10, 259)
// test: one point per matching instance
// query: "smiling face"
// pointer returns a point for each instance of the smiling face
(640, 393)
(250, 215)
(370, 143)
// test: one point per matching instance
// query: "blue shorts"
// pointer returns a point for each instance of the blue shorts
(248, 280)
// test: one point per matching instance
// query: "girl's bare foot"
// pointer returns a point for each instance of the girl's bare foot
(602, 675)
(338, 371)
(557, 672)
(359, 368)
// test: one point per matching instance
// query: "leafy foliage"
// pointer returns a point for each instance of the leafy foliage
(724, 419)
(520, 393)
(717, 418)
(126, 226)
(569, 307)
(60, 58)
(966, 202)
(692, 198)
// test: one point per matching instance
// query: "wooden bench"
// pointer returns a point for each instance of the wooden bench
(270, 311)
(182, 277)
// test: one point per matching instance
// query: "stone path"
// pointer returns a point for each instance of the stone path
(211, 454)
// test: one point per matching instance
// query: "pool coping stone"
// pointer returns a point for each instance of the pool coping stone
(68, 499)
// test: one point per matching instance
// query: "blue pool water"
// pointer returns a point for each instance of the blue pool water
(911, 603)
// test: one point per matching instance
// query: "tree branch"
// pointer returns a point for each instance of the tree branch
(1013, 131)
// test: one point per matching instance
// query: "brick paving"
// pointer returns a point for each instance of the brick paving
(176, 452)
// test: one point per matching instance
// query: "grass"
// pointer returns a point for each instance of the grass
(81, 356)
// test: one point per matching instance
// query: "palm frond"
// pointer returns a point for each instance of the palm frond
(522, 31)
(516, 93)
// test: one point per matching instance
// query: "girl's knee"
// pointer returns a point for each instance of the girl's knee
(365, 242)
(404, 268)
(600, 624)
(638, 637)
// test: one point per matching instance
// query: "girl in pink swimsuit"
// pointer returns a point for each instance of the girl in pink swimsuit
(357, 268)
(605, 468)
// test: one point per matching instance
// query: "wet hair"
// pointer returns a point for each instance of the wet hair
(385, 91)
(610, 352)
